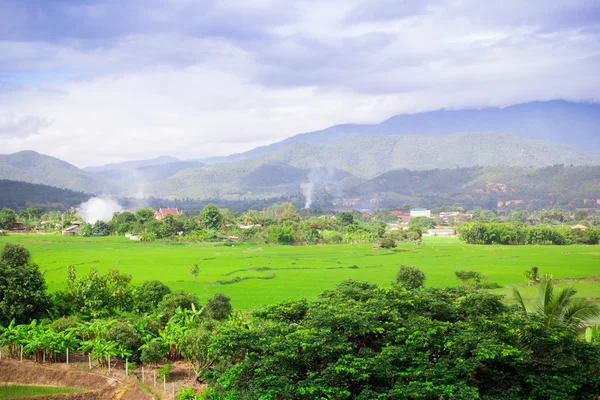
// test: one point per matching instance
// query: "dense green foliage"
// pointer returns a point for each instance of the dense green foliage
(410, 277)
(362, 341)
(7, 218)
(504, 233)
(22, 286)
(20, 196)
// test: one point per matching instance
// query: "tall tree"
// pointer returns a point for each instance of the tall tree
(7, 218)
(211, 217)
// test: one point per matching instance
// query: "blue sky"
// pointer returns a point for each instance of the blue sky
(94, 81)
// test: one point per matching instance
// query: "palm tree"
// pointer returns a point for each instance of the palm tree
(560, 308)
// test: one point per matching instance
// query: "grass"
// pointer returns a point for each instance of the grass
(304, 271)
(18, 391)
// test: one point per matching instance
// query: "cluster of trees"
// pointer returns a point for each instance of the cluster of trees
(21, 195)
(518, 234)
(101, 315)
(363, 341)
(279, 223)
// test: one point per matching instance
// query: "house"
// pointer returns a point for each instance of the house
(72, 230)
(420, 212)
(400, 213)
(163, 212)
(440, 232)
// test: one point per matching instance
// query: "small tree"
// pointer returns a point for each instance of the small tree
(7, 218)
(150, 294)
(194, 270)
(219, 307)
(472, 278)
(410, 277)
(387, 243)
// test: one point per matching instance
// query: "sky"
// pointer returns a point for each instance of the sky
(100, 81)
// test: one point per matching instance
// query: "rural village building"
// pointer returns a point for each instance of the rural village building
(420, 212)
(163, 212)
(73, 229)
(440, 232)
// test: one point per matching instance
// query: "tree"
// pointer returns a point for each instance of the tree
(362, 341)
(171, 302)
(345, 218)
(421, 223)
(149, 294)
(144, 215)
(22, 287)
(560, 308)
(219, 307)
(211, 217)
(469, 277)
(7, 218)
(387, 243)
(410, 277)
(194, 271)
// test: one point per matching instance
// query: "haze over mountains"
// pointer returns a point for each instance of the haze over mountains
(344, 157)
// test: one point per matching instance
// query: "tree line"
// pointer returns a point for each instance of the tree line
(519, 234)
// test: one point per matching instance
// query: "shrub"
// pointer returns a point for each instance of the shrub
(187, 393)
(152, 353)
(150, 294)
(410, 277)
(126, 337)
(219, 307)
(387, 243)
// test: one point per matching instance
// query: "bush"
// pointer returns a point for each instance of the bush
(152, 353)
(410, 277)
(219, 307)
(64, 323)
(387, 243)
(180, 299)
(150, 294)
(187, 393)
(125, 336)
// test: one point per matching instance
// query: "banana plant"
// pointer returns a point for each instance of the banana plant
(592, 334)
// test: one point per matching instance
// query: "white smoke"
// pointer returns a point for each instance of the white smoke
(98, 209)
(307, 190)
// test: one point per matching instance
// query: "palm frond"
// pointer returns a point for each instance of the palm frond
(579, 311)
(519, 298)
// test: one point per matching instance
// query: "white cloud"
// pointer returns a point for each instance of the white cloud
(220, 86)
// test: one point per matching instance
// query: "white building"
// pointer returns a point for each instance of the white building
(420, 212)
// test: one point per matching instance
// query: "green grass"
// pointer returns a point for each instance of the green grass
(18, 391)
(303, 271)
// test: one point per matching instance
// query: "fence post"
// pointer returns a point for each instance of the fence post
(164, 383)
(127, 366)
(44, 358)
(67, 356)
(155, 378)
(90, 360)
(108, 364)
(21, 353)
(143, 375)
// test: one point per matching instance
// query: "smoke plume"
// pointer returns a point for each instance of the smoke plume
(307, 190)
(98, 209)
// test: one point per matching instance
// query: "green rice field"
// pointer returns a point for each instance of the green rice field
(19, 391)
(275, 273)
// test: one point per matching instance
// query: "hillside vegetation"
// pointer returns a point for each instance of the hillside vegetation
(32, 167)
(20, 195)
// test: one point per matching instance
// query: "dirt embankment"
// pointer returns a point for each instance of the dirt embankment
(99, 387)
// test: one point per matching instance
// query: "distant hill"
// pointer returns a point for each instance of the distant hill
(573, 124)
(31, 167)
(363, 157)
(146, 174)
(21, 195)
(128, 165)
(489, 187)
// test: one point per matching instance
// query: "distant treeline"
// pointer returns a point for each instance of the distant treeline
(20, 196)
(505, 233)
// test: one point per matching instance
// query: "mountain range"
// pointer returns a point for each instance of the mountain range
(346, 159)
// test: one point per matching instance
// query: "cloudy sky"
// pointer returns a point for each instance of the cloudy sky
(97, 81)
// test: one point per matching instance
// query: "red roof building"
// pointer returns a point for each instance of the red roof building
(163, 212)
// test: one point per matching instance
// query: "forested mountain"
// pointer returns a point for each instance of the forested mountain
(127, 165)
(146, 174)
(573, 124)
(363, 157)
(20, 195)
(32, 167)
(488, 187)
